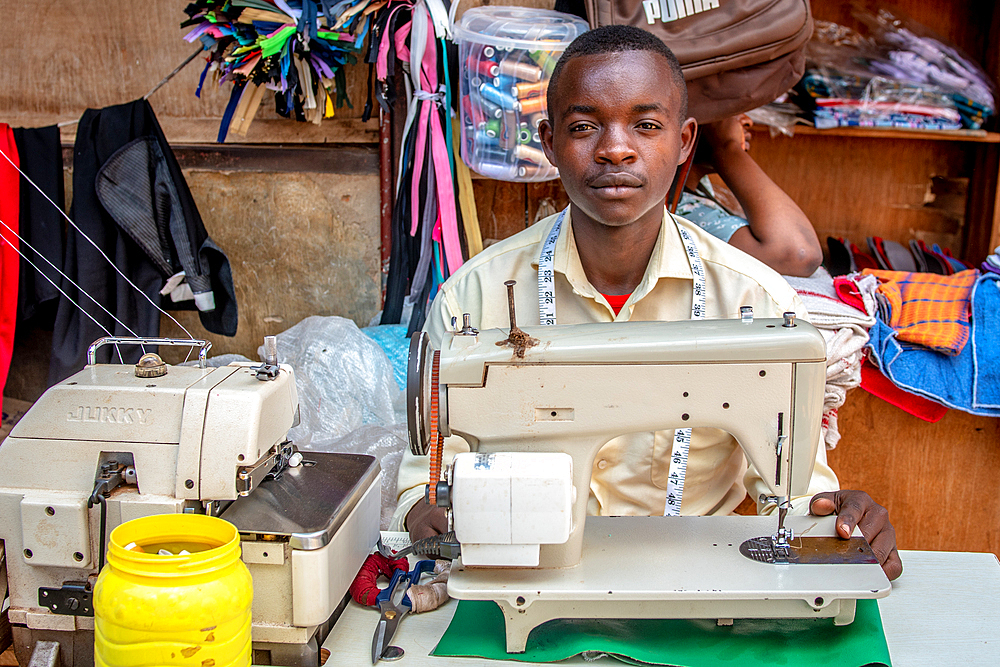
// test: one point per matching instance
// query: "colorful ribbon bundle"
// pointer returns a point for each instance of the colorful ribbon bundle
(297, 48)
(427, 244)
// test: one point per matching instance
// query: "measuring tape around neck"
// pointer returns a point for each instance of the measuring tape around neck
(547, 316)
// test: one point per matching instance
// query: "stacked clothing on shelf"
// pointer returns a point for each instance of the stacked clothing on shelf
(938, 337)
(844, 327)
(896, 75)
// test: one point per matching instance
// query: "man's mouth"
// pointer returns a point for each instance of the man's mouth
(616, 180)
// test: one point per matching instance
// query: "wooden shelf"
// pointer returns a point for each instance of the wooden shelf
(975, 136)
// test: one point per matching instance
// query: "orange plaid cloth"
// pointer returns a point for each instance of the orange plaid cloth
(929, 309)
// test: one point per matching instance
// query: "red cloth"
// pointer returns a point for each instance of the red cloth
(877, 384)
(10, 260)
(849, 293)
(616, 301)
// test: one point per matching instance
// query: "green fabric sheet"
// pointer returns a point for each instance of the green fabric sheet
(477, 630)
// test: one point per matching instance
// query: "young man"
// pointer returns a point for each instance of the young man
(618, 129)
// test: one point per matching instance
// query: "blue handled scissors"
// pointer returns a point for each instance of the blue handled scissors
(393, 613)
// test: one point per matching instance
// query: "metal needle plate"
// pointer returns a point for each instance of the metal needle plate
(812, 551)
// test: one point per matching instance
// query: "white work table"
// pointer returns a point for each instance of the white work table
(944, 610)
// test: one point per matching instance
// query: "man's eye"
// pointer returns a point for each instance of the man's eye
(580, 127)
(648, 125)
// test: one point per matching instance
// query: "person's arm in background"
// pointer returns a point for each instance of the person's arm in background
(779, 233)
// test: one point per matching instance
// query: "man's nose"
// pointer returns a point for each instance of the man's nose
(615, 146)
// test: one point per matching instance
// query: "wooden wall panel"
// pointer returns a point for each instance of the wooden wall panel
(940, 481)
(859, 187)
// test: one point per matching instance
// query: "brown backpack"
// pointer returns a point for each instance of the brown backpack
(736, 54)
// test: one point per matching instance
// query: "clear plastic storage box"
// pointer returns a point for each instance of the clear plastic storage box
(506, 55)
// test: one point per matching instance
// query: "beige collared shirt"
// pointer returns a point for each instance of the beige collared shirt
(630, 472)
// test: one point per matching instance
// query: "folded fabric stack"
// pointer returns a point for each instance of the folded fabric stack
(844, 327)
(895, 76)
(922, 334)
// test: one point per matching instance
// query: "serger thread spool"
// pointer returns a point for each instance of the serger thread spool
(498, 97)
(484, 68)
(520, 70)
(529, 154)
(546, 61)
(525, 90)
(509, 130)
(532, 105)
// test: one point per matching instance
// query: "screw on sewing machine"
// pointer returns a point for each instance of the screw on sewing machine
(746, 314)
(789, 319)
(510, 304)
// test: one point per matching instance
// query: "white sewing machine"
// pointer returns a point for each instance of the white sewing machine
(117, 442)
(538, 404)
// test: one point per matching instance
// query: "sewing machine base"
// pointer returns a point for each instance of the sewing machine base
(656, 567)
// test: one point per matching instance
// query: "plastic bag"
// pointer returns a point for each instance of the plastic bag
(899, 75)
(917, 54)
(343, 378)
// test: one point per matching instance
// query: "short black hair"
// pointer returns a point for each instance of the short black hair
(619, 39)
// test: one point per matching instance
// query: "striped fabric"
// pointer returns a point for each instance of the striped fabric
(929, 309)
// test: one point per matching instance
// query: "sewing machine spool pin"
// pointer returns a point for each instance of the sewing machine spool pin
(517, 339)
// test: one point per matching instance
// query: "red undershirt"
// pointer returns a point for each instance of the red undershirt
(616, 301)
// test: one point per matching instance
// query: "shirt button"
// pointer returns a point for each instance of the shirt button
(602, 464)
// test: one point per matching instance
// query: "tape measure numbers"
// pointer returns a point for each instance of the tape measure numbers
(547, 316)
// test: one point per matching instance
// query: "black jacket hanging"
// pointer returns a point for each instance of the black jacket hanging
(131, 199)
(41, 224)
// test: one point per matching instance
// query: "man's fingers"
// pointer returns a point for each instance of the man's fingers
(893, 566)
(875, 522)
(823, 504)
(850, 511)
(883, 544)
(424, 520)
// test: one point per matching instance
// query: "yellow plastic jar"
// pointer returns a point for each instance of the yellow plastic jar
(191, 610)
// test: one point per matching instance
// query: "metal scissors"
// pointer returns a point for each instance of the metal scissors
(393, 613)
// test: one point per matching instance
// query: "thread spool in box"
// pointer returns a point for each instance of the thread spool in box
(506, 56)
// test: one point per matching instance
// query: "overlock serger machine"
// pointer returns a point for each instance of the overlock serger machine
(116, 442)
(536, 405)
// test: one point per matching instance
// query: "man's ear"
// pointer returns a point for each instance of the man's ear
(545, 136)
(689, 131)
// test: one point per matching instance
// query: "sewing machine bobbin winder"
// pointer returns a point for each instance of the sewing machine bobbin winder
(536, 405)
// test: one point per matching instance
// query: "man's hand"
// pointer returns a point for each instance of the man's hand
(426, 520)
(856, 508)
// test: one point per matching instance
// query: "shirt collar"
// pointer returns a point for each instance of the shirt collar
(669, 259)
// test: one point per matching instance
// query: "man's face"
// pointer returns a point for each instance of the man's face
(616, 136)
